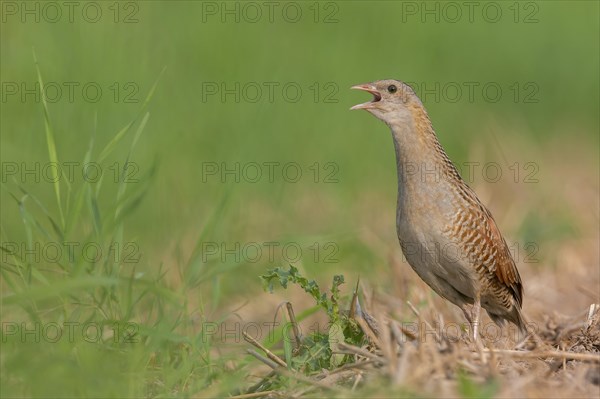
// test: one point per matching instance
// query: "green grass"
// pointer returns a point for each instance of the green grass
(96, 318)
(151, 211)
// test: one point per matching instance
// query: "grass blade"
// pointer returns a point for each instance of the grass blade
(123, 181)
(50, 143)
(119, 136)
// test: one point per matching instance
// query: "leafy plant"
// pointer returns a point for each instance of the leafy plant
(317, 350)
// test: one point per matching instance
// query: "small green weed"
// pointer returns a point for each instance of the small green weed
(317, 350)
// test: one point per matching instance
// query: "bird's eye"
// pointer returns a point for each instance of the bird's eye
(392, 89)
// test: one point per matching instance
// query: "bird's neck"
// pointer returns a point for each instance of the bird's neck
(420, 159)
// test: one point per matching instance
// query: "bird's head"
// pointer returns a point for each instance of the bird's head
(393, 101)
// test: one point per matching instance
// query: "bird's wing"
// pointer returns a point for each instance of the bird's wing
(475, 231)
(505, 268)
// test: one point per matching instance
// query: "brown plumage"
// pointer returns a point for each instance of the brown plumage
(447, 235)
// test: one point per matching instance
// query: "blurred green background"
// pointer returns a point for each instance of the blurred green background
(542, 55)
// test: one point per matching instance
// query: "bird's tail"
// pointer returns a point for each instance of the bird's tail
(528, 331)
(516, 317)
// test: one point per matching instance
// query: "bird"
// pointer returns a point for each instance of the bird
(448, 237)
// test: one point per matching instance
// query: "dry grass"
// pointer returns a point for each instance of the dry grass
(423, 357)
(425, 351)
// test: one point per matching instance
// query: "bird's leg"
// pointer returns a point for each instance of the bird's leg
(475, 313)
(468, 314)
(472, 315)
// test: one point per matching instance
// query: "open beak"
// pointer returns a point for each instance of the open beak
(371, 89)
